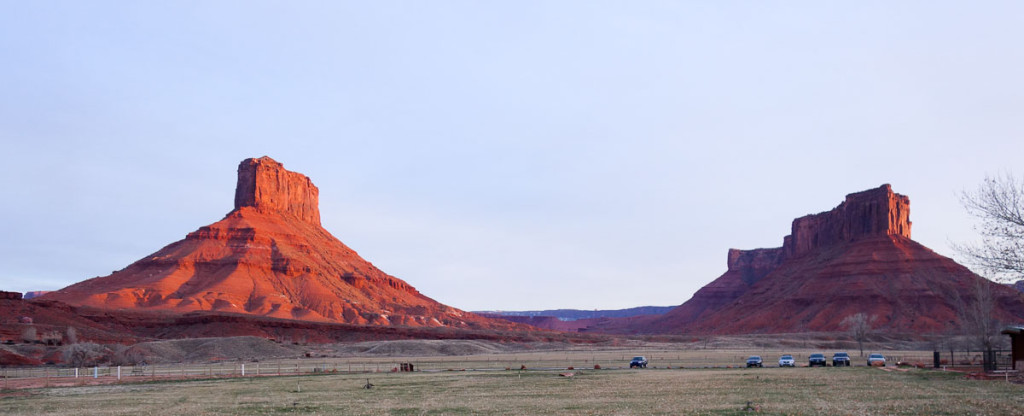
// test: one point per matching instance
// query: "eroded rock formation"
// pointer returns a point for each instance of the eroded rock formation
(265, 185)
(269, 257)
(855, 258)
(869, 213)
(875, 212)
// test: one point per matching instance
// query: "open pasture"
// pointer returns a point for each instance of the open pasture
(386, 356)
(807, 391)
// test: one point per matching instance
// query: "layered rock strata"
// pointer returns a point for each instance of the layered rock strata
(855, 258)
(269, 257)
(875, 212)
(265, 185)
(869, 213)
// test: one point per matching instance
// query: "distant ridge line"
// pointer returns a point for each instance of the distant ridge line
(576, 314)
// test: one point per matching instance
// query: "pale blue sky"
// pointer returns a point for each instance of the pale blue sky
(498, 155)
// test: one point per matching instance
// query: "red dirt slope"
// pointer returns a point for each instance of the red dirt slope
(271, 258)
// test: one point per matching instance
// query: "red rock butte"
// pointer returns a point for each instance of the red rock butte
(863, 214)
(855, 258)
(270, 257)
(265, 185)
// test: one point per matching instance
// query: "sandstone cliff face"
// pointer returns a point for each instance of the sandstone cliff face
(752, 265)
(269, 257)
(910, 289)
(265, 185)
(855, 258)
(875, 212)
(863, 214)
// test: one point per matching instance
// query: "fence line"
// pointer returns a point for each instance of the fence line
(577, 359)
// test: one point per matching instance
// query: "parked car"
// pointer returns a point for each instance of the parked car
(787, 361)
(817, 359)
(876, 360)
(841, 359)
(638, 362)
(754, 361)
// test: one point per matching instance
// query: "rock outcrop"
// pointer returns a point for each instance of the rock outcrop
(864, 214)
(10, 295)
(875, 212)
(269, 257)
(856, 258)
(266, 186)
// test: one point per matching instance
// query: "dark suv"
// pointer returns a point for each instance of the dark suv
(755, 361)
(841, 359)
(638, 362)
(817, 359)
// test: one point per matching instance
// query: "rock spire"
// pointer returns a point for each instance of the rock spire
(264, 184)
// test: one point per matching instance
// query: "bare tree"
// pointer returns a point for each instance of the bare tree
(860, 326)
(52, 338)
(84, 354)
(977, 320)
(125, 355)
(999, 204)
(29, 335)
(72, 335)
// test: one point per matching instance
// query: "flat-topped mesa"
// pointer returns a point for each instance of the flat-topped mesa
(10, 295)
(873, 212)
(266, 185)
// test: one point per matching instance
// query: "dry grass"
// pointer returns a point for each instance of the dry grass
(434, 355)
(603, 392)
(677, 382)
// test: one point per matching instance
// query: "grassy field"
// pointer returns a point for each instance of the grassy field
(660, 356)
(858, 390)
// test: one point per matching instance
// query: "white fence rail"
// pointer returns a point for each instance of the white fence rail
(546, 360)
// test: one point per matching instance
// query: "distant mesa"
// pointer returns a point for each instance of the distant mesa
(578, 314)
(10, 295)
(269, 257)
(35, 293)
(855, 258)
(572, 320)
